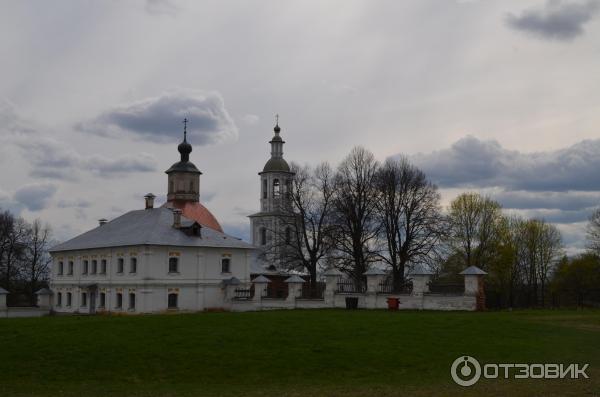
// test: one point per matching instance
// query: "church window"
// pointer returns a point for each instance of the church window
(85, 267)
(69, 299)
(225, 265)
(70, 268)
(171, 187)
(172, 301)
(83, 299)
(288, 235)
(120, 263)
(94, 266)
(276, 188)
(103, 266)
(265, 189)
(191, 186)
(173, 265)
(102, 302)
(60, 268)
(131, 301)
(59, 299)
(133, 265)
(263, 236)
(119, 302)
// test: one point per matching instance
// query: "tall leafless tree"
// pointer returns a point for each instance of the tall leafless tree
(304, 235)
(36, 261)
(409, 212)
(354, 201)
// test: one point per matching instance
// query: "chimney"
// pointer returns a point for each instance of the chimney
(149, 201)
(176, 218)
(102, 221)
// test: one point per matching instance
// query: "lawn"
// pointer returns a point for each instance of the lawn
(292, 353)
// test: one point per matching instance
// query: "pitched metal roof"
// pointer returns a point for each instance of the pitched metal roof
(148, 227)
(473, 270)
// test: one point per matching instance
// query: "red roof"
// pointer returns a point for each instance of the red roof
(196, 211)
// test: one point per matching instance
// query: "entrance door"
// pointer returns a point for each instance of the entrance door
(92, 302)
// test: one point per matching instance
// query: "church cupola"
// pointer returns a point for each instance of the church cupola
(276, 162)
(184, 177)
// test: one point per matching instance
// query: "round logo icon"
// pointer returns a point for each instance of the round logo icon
(465, 371)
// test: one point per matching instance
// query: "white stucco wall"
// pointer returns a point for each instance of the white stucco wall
(197, 282)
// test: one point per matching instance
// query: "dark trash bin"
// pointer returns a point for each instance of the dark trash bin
(351, 303)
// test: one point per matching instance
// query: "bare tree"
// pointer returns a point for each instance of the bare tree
(12, 245)
(354, 200)
(549, 249)
(36, 260)
(409, 211)
(305, 231)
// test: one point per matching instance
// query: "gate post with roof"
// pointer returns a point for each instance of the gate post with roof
(420, 280)
(374, 278)
(43, 298)
(294, 288)
(331, 279)
(474, 285)
(260, 284)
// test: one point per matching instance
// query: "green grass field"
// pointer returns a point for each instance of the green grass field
(292, 353)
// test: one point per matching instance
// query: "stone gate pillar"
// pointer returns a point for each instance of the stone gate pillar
(260, 284)
(374, 278)
(331, 279)
(474, 285)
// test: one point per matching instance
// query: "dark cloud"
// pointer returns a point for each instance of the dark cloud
(566, 201)
(159, 119)
(51, 159)
(557, 20)
(35, 197)
(473, 163)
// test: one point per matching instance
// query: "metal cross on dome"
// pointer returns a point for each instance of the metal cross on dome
(185, 121)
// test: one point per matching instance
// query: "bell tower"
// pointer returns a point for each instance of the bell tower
(275, 188)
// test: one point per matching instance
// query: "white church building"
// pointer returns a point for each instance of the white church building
(170, 258)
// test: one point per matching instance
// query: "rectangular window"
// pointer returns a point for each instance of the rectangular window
(225, 265)
(133, 265)
(172, 301)
(120, 264)
(119, 302)
(94, 266)
(70, 268)
(60, 268)
(265, 189)
(102, 302)
(83, 299)
(173, 265)
(59, 299)
(85, 267)
(69, 299)
(103, 266)
(131, 301)
(263, 236)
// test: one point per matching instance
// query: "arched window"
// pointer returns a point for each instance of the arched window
(265, 189)
(263, 236)
(69, 299)
(276, 188)
(172, 301)
(171, 187)
(191, 186)
(59, 299)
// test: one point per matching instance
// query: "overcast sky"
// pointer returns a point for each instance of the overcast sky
(500, 97)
